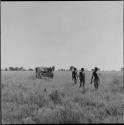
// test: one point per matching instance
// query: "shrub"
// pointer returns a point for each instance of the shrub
(55, 97)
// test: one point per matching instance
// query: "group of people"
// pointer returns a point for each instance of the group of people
(81, 76)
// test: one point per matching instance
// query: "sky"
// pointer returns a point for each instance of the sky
(60, 33)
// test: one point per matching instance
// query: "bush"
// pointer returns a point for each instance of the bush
(55, 97)
(60, 114)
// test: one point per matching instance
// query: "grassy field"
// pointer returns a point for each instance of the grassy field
(24, 100)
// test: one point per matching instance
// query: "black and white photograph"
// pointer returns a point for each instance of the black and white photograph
(62, 62)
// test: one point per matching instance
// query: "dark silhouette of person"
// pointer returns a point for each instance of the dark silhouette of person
(82, 77)
(95, 78)
(36, 71)
(74, 75)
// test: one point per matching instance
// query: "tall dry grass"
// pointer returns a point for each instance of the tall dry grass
(25, 101)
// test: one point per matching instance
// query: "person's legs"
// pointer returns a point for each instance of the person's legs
(38, 75)
(75, 81)
(80, 83)
(96, 84)
(83, 83)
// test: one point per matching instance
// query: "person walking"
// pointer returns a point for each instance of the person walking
(74, 75)
(95, 78)
(82, 77)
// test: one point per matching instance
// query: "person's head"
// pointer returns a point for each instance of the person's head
(82, 69)
(75, 69)
(96, 69)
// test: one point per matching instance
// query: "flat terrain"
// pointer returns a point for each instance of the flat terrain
(24, 99)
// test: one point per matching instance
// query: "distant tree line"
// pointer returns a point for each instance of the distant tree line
(17, 69)
(63, 70)
(11, 68)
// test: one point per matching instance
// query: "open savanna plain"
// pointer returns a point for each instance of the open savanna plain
(27, 100)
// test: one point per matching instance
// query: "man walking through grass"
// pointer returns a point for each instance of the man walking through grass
(82, 77)
(95, 78)
(74, 75)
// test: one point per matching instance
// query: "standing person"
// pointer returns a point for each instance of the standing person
(95, 78)
(74, 75)
(82, 77)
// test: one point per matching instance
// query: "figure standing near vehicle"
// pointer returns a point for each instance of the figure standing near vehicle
(95, 78)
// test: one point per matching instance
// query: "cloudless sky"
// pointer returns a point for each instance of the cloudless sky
(80, 33)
